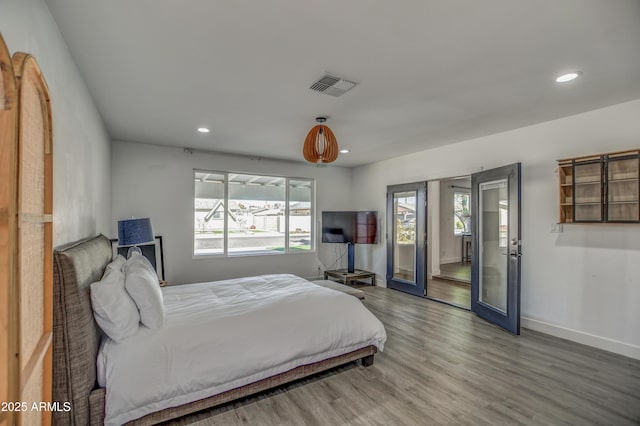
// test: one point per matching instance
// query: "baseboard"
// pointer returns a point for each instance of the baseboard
(615, 346)
(450, 260)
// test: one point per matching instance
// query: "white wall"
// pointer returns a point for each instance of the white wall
(157, 182)
(433, 228)
(81, 166)
(582, 284)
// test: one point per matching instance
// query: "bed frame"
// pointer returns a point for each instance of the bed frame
(76, 338)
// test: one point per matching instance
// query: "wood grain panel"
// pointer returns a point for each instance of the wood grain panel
(32, 392)
(8, 159)
(34, 243)
(31, 154)
(31, 275)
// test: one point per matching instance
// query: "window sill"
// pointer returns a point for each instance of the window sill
(248, 254)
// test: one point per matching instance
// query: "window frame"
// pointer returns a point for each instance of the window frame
(225, 252)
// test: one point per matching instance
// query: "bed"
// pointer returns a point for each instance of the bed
(224, 332)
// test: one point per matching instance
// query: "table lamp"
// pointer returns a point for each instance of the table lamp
(134, 231)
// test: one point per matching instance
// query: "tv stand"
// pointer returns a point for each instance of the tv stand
(346, 277)
(351, 257)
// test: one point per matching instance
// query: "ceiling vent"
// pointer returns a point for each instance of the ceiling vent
(332, 85)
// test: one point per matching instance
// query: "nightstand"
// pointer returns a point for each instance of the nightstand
(345, 277)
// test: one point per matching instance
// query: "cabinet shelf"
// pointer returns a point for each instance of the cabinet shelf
(591, 182)
(633, 179)
(600, 188)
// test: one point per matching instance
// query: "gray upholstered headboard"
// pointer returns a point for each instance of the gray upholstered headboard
(75, 334)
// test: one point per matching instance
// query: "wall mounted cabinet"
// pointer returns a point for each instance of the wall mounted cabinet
(600, 188)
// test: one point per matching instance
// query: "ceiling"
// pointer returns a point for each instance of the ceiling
(431, 72)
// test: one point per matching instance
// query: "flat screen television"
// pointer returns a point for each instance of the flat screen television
(350, 227)
(356, 227)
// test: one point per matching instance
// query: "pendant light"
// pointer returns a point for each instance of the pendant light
(320, 146)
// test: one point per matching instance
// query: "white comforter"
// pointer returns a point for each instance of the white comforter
(225, 334)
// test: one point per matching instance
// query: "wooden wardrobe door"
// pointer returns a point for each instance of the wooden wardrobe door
(8, 114)
(34, 242)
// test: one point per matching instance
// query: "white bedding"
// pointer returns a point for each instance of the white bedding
(225, 334)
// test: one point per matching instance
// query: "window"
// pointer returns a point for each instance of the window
(461, 213)
(236, 214)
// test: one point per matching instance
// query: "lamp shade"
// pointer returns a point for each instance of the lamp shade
(320, 146)
(134, 231)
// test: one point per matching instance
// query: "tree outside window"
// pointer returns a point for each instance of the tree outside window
(461, 213)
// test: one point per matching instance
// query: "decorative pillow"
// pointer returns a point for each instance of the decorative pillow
(142, 285)
(114, 310)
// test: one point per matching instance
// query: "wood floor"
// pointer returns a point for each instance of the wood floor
(445, 366)
(457, 271)
(453, 285)
(453, 292)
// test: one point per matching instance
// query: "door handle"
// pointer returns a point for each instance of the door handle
(515, 248)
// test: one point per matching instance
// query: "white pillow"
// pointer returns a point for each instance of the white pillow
(142, 285)
(117, 264)
(114, 310)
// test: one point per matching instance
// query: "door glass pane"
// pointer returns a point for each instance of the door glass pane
(493, 241)
(404, 235)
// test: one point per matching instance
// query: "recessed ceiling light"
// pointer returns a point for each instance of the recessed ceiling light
(203, 130)
(567, 77)
(344, 151)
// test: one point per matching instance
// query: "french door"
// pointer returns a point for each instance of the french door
(406, 237)
(495, 267)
